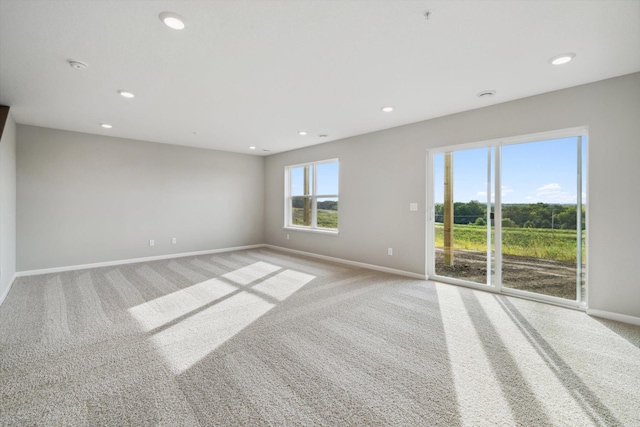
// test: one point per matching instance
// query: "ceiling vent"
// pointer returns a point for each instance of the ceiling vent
(77, 65)
(486, 94)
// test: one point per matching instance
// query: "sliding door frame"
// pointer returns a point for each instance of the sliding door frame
(496, 285)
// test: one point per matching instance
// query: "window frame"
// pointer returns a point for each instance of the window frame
(288, 211)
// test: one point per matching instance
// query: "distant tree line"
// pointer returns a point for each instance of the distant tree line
(533, 215)
(330, 205)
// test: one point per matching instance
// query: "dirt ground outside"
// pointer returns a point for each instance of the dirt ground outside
(542, 276)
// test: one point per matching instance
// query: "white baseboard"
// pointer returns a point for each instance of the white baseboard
(614, 316)
(591, 312)
(215, 251)
(353, 263)
(131, 261)
(6, 292)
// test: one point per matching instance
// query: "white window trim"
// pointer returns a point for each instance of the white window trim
(313, 228)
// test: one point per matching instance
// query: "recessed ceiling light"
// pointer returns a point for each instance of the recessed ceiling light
(172, 20)
(251, 147)
(562, 59)
(387, 109)
(126, 94)
(106, 125)
(302, 133)
(486, 94)
(77, 65)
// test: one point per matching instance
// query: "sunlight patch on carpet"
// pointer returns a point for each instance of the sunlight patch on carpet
(282, 285)
(251, 273)
(539, 372)
(497, 371)
(472, 373)
(194, 321)
(167, 308)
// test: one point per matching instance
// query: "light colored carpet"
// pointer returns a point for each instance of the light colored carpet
(261, 337)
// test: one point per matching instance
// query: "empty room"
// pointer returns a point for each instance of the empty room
(411, 213)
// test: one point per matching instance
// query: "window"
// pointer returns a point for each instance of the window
(311, 196)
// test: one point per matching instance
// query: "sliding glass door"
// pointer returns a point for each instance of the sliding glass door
(510, 215)
(543, 227)
(463, 234)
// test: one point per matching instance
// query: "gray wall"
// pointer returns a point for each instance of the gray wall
(87, 198)
(382, 172)
(7, 205)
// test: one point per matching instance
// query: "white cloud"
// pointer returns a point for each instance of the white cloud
(553, 193)
(549, 187)
(505, 191)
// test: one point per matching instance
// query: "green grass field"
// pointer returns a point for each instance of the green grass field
(558, 245)
(326, 218)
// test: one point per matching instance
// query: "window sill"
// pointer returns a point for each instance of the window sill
(312, 230)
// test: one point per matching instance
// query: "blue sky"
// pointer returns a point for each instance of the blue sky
(543, 171)
(327, 175)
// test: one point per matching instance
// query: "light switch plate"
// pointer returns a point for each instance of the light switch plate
(413, 207)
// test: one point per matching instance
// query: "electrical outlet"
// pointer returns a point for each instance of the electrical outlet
(390, 251)
(287, 237)
(152, 242)
(174, 240)
(413, 207)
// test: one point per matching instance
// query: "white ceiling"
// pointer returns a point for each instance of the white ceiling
(256, 72)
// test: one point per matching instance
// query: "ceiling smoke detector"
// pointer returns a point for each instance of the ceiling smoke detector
(77, 65)
(486, 94)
